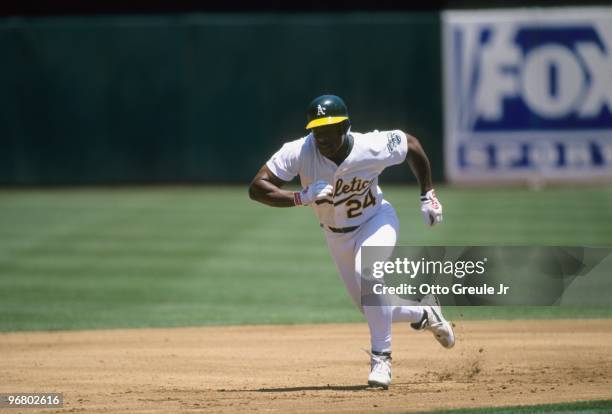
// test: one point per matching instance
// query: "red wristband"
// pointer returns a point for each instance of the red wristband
(297, 199)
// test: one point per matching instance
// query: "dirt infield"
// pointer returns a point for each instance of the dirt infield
(309, 368)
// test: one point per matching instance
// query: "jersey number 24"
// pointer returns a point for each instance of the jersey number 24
(355, 207)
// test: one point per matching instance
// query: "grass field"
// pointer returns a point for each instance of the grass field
(588, 407)
(176, 256)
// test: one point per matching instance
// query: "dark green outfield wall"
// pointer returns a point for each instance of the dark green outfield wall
(124, 99)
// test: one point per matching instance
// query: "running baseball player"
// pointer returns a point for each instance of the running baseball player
(338, 171)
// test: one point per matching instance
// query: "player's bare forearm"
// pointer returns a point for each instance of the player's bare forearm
(265, 188)
(419, 164)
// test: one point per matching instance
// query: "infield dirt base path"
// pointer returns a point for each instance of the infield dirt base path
(309, 368)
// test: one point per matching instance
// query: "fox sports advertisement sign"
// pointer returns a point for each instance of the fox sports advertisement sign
(528, 95)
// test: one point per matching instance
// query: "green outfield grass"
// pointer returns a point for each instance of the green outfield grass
(586, 407)
(136, 257)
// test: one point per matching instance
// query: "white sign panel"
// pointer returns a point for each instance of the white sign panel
(528, 94)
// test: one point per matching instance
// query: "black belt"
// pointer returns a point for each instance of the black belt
(341, 229)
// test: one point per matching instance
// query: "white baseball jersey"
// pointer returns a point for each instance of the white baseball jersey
(357, 196)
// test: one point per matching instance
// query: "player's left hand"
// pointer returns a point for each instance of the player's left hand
(431, 208)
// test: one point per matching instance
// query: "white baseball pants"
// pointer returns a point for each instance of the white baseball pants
(380, 230)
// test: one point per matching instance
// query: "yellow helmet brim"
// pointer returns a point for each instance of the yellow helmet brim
(330, 120)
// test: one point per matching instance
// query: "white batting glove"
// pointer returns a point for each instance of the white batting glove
(431, 208)
(315, 191)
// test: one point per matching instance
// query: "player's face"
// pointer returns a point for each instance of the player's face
(329, 139)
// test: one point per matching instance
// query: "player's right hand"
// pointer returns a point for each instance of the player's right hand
(315, 191)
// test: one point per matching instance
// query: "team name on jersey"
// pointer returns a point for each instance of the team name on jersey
(356, 185)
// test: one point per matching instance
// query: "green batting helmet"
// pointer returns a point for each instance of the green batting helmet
(326, 110)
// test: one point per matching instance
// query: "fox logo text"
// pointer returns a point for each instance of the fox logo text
(528, 94)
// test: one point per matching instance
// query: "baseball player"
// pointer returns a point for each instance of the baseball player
(338, 171)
